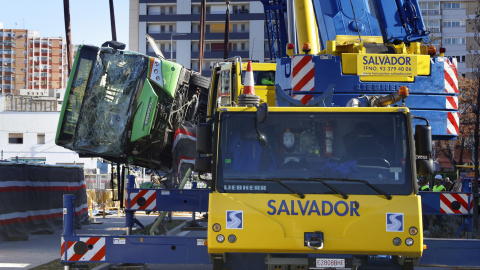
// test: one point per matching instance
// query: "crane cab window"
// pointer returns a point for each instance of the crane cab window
(266, 77)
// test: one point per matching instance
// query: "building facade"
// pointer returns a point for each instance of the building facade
(29, 136)
(177, 22)
(31, 65)
(449, 24)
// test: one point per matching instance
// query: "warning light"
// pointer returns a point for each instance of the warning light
(403, 92)
(290, 49)
(442, 51)
(306, 47)
(432, 50)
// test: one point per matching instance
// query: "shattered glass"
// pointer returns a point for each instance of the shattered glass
(115, 80)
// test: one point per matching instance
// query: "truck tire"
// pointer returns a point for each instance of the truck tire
(196, 79)
(408, 265)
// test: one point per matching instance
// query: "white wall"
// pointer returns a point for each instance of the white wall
(184, 6)
(184, 53)
(142, 39)
(257, 40)
(31, 124)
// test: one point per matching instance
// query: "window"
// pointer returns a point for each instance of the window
(15, 138)
(454, 41)
(153, 10)
(451, 5)
(460, 58)
(451, 24)
(40, 138)
(430, 8)
(433, 25)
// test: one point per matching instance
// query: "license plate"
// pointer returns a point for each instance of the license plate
(327, 263)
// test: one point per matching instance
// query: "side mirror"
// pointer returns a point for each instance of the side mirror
(262, 113)
(423, 149)
(204, 138)
(423, 139)
(424, 166)
(203, 164)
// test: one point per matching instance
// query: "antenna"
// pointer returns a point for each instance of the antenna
(251, 52)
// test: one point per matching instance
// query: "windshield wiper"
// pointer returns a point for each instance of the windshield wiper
(344, 195)
(300, 194)
(377, 189)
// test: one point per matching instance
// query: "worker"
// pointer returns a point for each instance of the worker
(268, 79)
(424, 184)
(438, 187)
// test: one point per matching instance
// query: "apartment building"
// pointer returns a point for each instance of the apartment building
(448, 22)
(31, 65)
(177, 23)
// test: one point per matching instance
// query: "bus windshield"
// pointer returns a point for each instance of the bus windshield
(314, 153)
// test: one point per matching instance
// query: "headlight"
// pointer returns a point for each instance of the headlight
(413, 230)
(409, 241)
(232, 238)
(220, 238)
(216, 227)
(397, 241)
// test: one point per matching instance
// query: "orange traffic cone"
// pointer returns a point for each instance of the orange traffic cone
(249, 87)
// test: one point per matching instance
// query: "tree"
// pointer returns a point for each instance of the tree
(455, 150)
(475, 24)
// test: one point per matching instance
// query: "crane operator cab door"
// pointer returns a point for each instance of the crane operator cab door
(224, 85)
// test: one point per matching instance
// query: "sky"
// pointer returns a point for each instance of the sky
(89, 19)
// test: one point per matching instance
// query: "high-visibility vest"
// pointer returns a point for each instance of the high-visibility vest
(439, 188)
(425, 188)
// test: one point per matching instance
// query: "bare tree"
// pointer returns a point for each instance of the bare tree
(475, 58)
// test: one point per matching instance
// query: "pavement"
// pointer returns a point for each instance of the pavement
(40, 249)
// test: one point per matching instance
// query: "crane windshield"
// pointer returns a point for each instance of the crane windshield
(307, 150)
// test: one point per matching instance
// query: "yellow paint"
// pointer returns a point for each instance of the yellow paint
(363, 234)
(306, 25)
(265, 92)
(325, 109)
(219, 28)
(352, 64)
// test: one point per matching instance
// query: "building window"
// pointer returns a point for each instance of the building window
(454, 41)
(15, 138)
(451, 5)
(40, 138)
(460, 58)
(433, 25)
(153, 10)
(430, 8)
(452, 24)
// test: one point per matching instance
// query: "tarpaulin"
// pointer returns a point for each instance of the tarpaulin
(31, 198)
